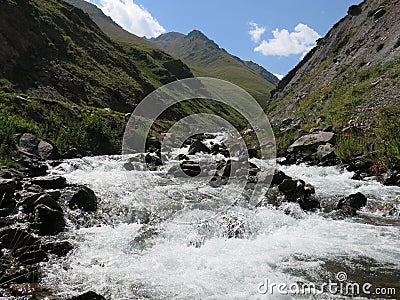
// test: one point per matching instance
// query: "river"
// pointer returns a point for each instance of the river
(186, 253)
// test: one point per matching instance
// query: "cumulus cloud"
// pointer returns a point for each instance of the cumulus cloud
(256, 32)
(285, 43)
(131, 16)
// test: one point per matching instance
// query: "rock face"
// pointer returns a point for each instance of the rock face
(347, 58)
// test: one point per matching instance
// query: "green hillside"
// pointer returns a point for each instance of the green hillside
(350, 81)
(206, 58)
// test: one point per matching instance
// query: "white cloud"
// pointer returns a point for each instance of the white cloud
(131, 16)
(285, 43)
(279, 76)
(256, 32)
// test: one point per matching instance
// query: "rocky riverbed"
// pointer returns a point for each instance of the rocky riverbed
(72, 229)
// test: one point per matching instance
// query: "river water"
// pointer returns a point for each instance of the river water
(125, 252)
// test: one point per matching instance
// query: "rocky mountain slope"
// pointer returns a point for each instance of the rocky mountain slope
(206, 58)
(108, 25)
(350, 80)
(61, 53)
(65, 80)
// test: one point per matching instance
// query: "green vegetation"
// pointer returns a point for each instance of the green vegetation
(340, 100)
(92, 130)
(205, 58)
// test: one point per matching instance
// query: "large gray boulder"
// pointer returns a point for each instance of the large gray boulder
(312, 141)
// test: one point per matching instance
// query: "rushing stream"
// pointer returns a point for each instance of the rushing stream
(181, 254)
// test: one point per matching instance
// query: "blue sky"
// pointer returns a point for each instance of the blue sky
(274, 34)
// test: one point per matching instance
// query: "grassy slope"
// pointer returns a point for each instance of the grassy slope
(106, 24)
(363, 87)
(205, 58)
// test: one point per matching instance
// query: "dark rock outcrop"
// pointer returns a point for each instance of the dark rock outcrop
(352, 203)
(50, 182)
(88, 296)
(198, 146)
(84, 199)
(300, 192)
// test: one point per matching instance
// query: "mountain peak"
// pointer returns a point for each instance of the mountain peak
(197, 34)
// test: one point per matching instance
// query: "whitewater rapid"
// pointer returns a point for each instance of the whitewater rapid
(177, 258)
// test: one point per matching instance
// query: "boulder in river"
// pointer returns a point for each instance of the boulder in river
(300, 192)
(352, 203)
(50, 182)
(48, 221)
(198, 146)
(84, 199)
(88, 296)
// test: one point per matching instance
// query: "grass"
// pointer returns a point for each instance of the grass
(89, 129)
(351, 94)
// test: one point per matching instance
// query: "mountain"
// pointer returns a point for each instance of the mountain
(63, 79)
(108, 25)
(62, 52)
(206, 58)
(350, 80)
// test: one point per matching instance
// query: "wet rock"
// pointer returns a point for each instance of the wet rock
(88, 296)
(34, 188)
(84, 199)
(198, 146)
(8, 185)
(29, 142)
(71, 153)
(153, 161)
(50, 182)
(58, 248)
(48, 221)
(190, 168)
(182, 157)
(14, 238)
(33, 168)
(390, 177)
(32, 257)
(352, 203)
(359, 164)
(47, 150)
(300, 192)
(273, 177)
(253, 153)
(129, 166)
